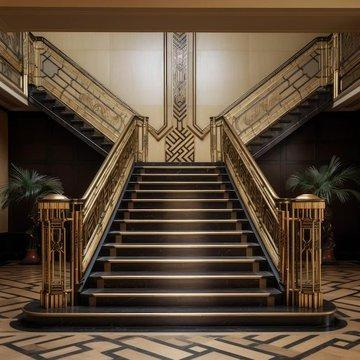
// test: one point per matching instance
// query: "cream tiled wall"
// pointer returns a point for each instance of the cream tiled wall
(131, 65)
(3, 165)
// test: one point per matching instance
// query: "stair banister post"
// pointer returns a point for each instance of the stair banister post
(216, 144)
(336, 64)
(304, 251)
(142, 125)
(61, 222)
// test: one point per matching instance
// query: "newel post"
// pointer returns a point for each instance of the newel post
(142, 136)
(61, 243)
(216, 137)
(302, 251)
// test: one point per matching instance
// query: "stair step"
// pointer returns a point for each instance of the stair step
(168, 264)
(180, 221)
(179, 297)
(185, 213)
(177, 275)
(180, 167)
(180, 191)
(209, 203)
(180, 185)
(180, 224)
(223, 259)
(180, 210)
(179, 246)
(179, 194)
(210, 318)
(181, 250)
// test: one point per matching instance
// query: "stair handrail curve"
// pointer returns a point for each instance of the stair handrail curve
(52, 70)
(82, 223)
(289, 228)
(294, 80)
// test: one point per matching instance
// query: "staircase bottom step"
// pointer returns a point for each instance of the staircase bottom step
(195, 318)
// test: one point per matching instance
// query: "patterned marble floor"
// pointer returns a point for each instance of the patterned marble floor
(19, 284)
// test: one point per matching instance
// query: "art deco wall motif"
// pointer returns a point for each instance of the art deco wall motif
(179, 142)
(179, 97)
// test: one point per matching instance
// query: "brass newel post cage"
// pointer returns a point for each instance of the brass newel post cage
(300, 250)
(60, 220)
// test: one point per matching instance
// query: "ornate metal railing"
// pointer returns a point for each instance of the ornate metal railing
(72, 229)
(349, 59)
(290, 229)
(282, 90)
(13, 61)
(50, 69)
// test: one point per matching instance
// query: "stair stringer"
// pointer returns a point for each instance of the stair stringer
(323, 104)
(67, 124)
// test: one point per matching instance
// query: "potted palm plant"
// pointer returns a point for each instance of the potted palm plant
(26, 187)
(332, 182)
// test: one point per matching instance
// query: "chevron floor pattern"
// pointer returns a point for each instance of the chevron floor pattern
(19, 284)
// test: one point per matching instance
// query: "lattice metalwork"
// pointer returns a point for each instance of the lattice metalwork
(290, 229)
(282, 90)
(55, 72)
(349, 59)
(11, 57)
(81, 223)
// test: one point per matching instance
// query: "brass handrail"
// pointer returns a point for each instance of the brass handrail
(101, 196)
(85, 220)
(283, 89)
(290, 229)
(261, 199)
(52, 70)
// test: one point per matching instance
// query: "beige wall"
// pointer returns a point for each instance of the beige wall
(230, 64)
(132, 65)
(3, 165)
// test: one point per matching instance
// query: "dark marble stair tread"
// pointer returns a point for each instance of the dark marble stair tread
(179, 233)
(174, 246)
(185, 275)
(184, 259)
(205, 167)
(135, 221)
(179, 210)
(181, 292)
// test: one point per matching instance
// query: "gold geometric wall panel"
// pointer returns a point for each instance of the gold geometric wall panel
(180, 146)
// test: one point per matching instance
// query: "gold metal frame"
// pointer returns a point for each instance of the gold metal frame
(81, 222)
(290, 229)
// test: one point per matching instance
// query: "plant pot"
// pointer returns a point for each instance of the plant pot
(328, 256)
(31, 257)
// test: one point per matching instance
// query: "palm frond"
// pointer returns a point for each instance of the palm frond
(26, 185)
(328, 181)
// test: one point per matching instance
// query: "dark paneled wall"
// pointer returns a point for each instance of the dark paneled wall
(331, 133)
(38, 142)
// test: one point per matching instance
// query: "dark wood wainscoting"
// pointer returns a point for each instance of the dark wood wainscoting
(329, 133)
(38, 142)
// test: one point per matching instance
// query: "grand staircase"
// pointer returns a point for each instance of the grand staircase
(180, 252)
(181, 246)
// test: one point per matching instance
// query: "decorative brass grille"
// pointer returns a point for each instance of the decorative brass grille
(290, 229)
(282, 90)
(81, 223)
(55, 72)
(12, 59)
